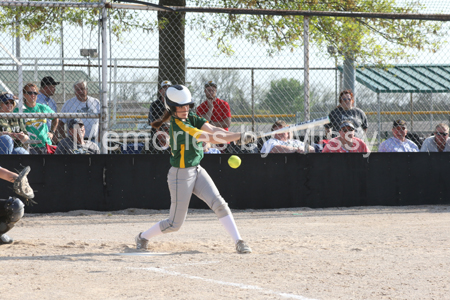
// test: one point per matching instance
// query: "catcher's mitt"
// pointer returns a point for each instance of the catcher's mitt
(21, 186)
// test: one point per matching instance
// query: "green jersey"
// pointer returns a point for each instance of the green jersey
(186, 150)
(15, 126)
(37, 128)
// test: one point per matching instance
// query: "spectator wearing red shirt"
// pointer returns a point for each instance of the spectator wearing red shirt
(215, 110)
(346, 141)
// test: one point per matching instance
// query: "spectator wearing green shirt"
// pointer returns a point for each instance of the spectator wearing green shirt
(37, 128)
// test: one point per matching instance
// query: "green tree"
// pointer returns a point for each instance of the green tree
(364, 40)
(285, 96)
(47, 22)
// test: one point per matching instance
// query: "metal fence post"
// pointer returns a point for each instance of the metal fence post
(104, 90)
(379, 117)
(253, 100)
(306, 76)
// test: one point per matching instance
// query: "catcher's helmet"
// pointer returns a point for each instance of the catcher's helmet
(14, 210)
(179, 95)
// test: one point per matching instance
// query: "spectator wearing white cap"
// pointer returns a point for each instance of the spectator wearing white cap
(215, 110)
(74, 143)
(399, 142)
(157, 108)
(346, 141)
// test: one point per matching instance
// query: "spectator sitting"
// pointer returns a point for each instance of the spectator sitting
(346, 111)
(207, 149)
(37, 128)
(13, 131)
(439, 142)
(399, 142)
(159, 144)
(158, 107)
(215, 110)
(281, 143)
(75, 143)
(346, 141)
(48, 88)
(323, 142)
(82, 103)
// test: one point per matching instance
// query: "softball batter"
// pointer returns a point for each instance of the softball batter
(186, 176)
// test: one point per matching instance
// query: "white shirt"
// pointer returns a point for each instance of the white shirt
(429, 145)
(91, 105)
(393, 144)
(269, 144)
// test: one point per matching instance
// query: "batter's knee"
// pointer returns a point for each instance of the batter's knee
(167, 226)
(220, 208)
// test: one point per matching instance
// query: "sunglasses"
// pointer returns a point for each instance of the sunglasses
(400, 127)
(31, 93)
(347, 129)
(441, 133)
(8, 102)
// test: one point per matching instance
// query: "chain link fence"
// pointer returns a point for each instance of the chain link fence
(246, 70)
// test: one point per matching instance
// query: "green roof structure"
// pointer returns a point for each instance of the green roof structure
(404, 78)
(10, 79)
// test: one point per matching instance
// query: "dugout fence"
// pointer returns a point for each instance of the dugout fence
(287, 62)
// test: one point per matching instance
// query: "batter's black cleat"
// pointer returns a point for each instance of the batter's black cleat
(4, 239)
(141, 243)
(242, 247)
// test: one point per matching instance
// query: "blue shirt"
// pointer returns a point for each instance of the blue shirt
(41, 98)
(393, 144)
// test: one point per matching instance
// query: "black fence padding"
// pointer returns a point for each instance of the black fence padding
(317, 180)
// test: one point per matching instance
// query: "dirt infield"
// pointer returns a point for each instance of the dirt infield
(348, 253)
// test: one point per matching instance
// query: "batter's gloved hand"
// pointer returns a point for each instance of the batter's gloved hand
(21, 186)
(246, 138)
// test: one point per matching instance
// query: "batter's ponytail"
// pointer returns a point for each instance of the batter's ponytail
(156, 124)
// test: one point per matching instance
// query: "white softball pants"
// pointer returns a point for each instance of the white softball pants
(182, 184)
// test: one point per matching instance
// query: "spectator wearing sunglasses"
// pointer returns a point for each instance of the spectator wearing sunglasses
(13, 132)
(399, 142)
(37, 128)
(346, 110)
(346, 141)
(48, 89)
(439, 142)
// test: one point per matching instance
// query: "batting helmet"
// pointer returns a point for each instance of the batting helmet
(178, 95)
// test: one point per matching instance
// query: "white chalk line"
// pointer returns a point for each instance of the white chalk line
(143, 254)
(194, 264)
(238, 285)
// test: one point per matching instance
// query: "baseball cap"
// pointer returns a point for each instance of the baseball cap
(73, 122)
(399, 123)
(7, 97)
(347, 124)
(210, 83)
(48, 81)
(166, 83)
